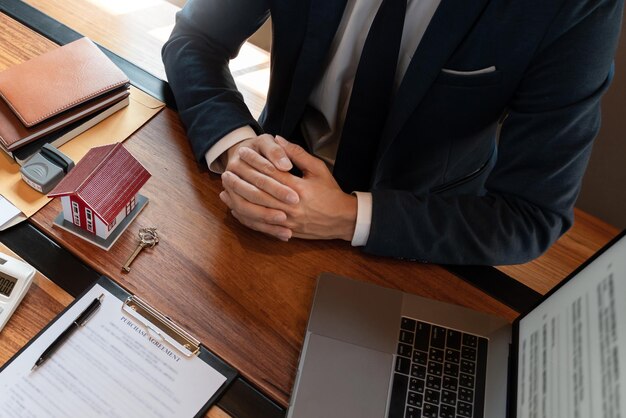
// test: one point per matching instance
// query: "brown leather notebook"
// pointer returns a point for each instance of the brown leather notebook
(14, 135)
(54, 89)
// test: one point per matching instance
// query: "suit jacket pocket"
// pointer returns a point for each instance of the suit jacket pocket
(469, 78)
(462, 180)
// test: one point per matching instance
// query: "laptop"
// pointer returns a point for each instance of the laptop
(370, 351)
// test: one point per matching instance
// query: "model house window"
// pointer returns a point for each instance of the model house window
(130, 205)
(112, 224)
(76, 213)
(89, 216)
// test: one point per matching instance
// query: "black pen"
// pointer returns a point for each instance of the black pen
(77, 323)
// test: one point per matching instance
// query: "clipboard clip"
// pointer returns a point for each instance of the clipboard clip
(157, 323)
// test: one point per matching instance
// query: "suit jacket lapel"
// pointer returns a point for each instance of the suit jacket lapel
(451, 22)
(324, 18)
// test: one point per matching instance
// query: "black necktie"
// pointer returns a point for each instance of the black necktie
(370, 99)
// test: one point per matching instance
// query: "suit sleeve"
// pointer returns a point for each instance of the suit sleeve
(207, 34)
(543, 150)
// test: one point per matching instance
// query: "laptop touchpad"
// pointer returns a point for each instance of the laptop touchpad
(339, 379)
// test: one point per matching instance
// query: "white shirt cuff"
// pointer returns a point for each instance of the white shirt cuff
(221, 146)
(363, 219)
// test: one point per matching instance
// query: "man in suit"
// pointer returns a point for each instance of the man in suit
(478, 157)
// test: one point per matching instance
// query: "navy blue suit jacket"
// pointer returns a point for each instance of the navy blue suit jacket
(471, 169)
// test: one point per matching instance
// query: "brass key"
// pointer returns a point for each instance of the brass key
(148, 237)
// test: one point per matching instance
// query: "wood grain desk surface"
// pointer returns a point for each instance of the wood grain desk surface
(244, 295)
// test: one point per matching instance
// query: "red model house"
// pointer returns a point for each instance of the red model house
(101, 190)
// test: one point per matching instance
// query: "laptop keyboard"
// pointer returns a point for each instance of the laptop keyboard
(439, 372)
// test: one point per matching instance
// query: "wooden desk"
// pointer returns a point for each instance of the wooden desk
(244, 295)
(42, 303)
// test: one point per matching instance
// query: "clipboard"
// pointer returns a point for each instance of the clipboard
(158, 326)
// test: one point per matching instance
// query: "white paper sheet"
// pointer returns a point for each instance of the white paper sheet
(111, 367)
(8, 213)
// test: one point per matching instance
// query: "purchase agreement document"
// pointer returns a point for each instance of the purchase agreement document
(111, 367)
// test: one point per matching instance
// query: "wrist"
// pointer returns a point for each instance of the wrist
(347, 217)
(215, 156)
(228, 154)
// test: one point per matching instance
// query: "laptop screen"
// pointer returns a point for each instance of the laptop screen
(572, 347)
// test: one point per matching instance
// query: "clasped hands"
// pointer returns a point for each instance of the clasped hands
(263, 195)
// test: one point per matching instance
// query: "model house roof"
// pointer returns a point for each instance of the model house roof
(106, 179)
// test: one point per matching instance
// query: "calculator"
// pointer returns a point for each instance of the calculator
(15, 279)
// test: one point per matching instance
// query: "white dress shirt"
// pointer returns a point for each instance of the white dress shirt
(327, 106)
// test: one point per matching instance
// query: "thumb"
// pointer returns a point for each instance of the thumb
(306, 162)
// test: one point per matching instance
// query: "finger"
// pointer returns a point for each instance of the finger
(251, 211)
(274, 153)
(258, 221)
(302, 235)
(235, 184)
(283, 234)
(302, 159)
(266, 176)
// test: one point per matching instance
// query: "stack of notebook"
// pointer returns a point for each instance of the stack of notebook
(56, 96)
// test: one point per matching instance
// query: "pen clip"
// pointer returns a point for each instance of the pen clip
(156, 322)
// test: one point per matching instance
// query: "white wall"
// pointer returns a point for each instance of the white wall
(67, 208)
